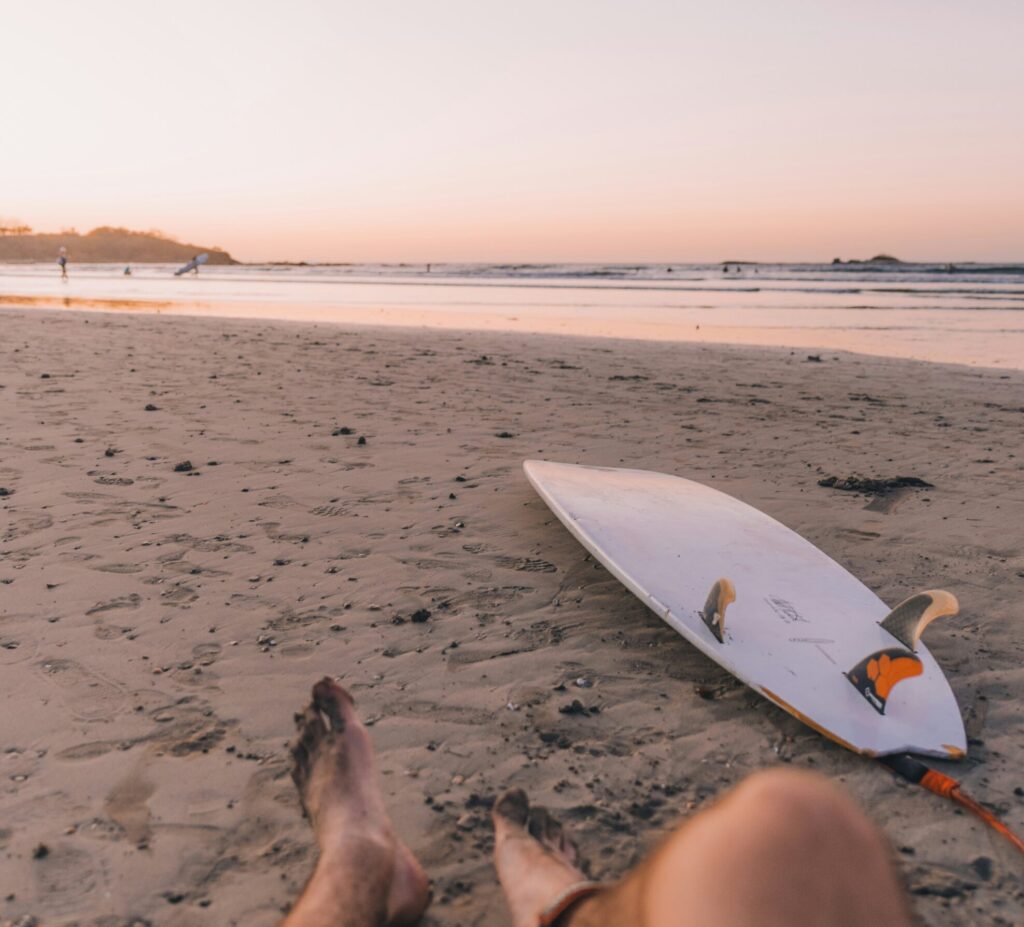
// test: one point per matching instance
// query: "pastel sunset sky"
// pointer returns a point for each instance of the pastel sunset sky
(562, 130)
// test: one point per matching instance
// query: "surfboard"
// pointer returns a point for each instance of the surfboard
(767, 605)
(196, 262)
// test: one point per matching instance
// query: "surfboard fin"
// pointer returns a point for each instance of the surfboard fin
(907, 621)
(721, 596)
(877, 675)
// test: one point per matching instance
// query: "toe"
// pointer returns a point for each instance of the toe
(554, 836)
(333, 701)
(538, 822)
(300, 763)
(513, 806)
(312, 729)
(568, 849)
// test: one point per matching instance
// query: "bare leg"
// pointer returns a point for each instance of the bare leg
(365, 876)
(783, 848)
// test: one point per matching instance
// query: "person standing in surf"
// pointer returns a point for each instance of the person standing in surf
(62, 260)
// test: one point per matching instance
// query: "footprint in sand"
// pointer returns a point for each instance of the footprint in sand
(87, 695)
(65, 878)
(16, 648)
(122, 568)
(206, 654)
(23, 527)
(126, 601)
(91, 750)
(526, 564)
(126, 805)
(329, 510)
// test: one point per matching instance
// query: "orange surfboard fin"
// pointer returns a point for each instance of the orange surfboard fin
(877, 675)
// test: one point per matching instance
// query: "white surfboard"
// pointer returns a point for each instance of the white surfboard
(801, 630)
(194, 264)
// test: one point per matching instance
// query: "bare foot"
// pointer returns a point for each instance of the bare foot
(536, 861)
(361, 860)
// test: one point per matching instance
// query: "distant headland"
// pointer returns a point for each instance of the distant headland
(877, 259)
(101, 246)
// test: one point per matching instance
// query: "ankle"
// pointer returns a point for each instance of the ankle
(357, 851)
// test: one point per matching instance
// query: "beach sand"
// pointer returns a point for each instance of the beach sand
(160, 625)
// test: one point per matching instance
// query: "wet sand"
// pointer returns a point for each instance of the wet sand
(354, 505)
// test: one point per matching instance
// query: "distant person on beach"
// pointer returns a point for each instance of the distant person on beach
(128, 271)
(62, 260)
(783, 848)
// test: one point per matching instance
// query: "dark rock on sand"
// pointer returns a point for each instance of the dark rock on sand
(983, 867)
(151, 408)
(419, 616)
(343, 430)
(874, 486)
(576, 707)
(184, 467)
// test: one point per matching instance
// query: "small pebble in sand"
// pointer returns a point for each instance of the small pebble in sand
(584, 683)
(362, 441)
(152, 408)
(504, 434)
(419, 616)
(184, 467)
(110, 452)
(41, 851)
(5, 492)
(343, 430)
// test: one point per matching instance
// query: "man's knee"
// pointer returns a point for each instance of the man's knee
(792, 834)
(800, 807)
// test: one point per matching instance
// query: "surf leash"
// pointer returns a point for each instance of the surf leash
(916, 772)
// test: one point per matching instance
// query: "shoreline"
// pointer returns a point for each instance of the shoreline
(979, 347)
(160, 626)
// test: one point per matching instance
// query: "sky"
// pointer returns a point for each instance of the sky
(562, 130)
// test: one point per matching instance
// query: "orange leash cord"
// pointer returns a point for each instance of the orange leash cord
(906, 767)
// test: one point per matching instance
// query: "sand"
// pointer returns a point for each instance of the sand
(159, 624)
